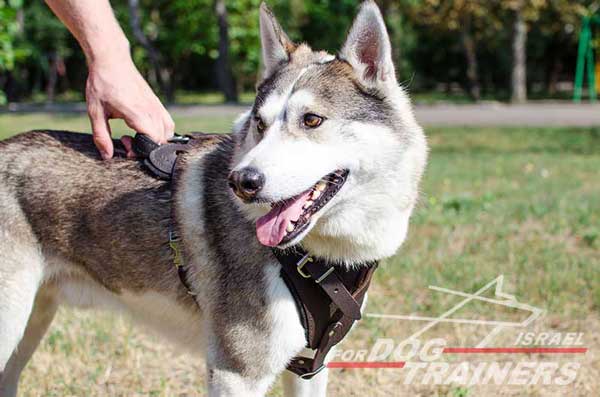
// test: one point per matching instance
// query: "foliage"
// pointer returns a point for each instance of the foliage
(45, 36)
(426, 37)
(10, 52)
(9, 30)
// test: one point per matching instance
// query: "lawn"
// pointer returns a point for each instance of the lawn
(523, 203)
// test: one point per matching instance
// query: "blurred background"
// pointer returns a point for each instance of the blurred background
(511, 188)
(449, 50)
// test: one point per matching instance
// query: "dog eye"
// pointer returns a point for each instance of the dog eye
(312, 120)
(260, 125)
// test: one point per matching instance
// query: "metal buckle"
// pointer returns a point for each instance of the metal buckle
(174, 240)
(174, 237)
(300, 265)
(324, 276)
(309, 375)
(179, 139)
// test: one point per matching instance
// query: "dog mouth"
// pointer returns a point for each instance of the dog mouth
(287, 219)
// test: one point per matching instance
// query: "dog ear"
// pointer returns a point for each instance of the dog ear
(276, 46)
(368, 48)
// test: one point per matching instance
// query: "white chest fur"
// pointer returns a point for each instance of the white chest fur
(287, 336)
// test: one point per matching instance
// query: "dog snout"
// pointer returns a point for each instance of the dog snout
(247, 182)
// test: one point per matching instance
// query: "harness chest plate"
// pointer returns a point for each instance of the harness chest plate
(329, 300)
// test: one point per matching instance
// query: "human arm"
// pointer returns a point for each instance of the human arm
(115, 88)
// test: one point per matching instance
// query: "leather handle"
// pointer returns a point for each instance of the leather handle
(143, 145)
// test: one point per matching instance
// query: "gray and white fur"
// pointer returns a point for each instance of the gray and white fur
(75, 230)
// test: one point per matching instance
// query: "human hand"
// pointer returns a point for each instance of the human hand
(116, 90)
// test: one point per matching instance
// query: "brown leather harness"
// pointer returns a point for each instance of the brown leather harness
(328, 298)
(329, 301)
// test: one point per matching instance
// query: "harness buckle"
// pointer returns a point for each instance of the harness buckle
(174, 240)
(309, 375)
(300, 265)
(179, 139)
(174, 237)
(325, 275)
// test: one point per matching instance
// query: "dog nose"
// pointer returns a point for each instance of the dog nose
(247, 182)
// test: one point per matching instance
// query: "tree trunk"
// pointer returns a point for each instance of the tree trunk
(519, 64)
(555, 71)
(162, 77)
(554, 65)
(57, 69)
(224, 71)
(471, 58)
(52, 77)
(20, 19)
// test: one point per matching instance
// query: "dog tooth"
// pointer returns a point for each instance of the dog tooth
(315, 194)
(290, 227)
(308, 204)
(321, 186)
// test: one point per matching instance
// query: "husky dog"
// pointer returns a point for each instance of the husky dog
(76, 230)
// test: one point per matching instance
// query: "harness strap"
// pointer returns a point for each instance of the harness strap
(163, 161)
(328, 302)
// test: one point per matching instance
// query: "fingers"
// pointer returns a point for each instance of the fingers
(158, 126)
(169, 125)
(119, 91)
(127, 141)
(101, 131)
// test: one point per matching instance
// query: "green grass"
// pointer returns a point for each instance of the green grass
(181, 97)
(518, 202)
(521, 202)
(209, 98)
(11, 124)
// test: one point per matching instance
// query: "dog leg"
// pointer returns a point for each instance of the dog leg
(294, 386)
(241, 365)
(228, 376)
(41, 317)
(225, 383)
(18, 288)
(21, 272)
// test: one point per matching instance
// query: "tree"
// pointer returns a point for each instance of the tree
(224, 72)
(464, 17)
(49, 45)
(519, 51)
(470, 48)
(161, 74)
(8, 28)
(244, 42)
(10, 50)
(523, 12)
(554, 38)
(172, 35)
(193, 45)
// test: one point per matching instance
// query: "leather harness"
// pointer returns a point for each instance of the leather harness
(328, 298)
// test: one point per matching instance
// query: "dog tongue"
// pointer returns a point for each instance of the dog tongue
(271, 228)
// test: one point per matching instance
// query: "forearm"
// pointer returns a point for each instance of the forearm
(95, 27)
(114, 88)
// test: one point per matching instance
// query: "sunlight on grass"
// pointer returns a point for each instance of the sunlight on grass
(11, 124)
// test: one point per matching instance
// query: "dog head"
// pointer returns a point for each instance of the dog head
(330, 154)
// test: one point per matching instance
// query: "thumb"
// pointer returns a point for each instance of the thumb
(102, 134)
